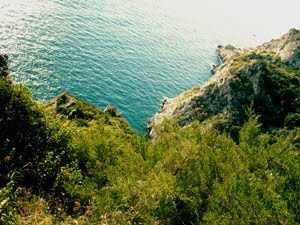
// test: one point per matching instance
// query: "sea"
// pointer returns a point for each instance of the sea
(130, 53)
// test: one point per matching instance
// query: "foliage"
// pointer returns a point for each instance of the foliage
(8, 198)
(278, 90)
(99, 171)
(33, 144)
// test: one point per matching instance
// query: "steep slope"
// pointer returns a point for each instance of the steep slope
(266, 77)
(4, 70)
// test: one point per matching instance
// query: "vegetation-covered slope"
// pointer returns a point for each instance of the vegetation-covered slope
(68, 162)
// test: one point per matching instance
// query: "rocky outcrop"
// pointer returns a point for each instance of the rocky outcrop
(242, 78)
(287, 47)
(4, 70)
(112, 111)
(73, 108)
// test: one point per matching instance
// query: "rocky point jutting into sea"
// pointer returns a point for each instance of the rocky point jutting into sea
(242, 79)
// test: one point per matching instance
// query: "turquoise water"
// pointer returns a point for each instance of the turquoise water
(126, 53)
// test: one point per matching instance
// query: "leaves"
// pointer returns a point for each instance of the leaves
(105, 173)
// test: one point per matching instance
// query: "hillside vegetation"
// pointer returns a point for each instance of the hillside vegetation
(69, 162)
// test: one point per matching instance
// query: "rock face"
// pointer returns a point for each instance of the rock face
(4, 70)
(287, 47)
(242, 78)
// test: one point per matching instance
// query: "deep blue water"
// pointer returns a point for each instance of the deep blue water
(121, 52)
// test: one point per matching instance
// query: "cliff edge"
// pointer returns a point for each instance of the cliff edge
(266, 77)
(4, 70)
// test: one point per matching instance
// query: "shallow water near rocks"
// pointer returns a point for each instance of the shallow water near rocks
(129, 53)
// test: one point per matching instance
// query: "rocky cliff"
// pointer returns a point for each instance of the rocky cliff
(266, 77)
(4, 70)
(287, 47)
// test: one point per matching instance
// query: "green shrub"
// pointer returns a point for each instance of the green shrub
(8, 202)
(33, 144)
(95, 169)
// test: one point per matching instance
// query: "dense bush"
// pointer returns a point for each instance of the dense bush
(33, 145)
